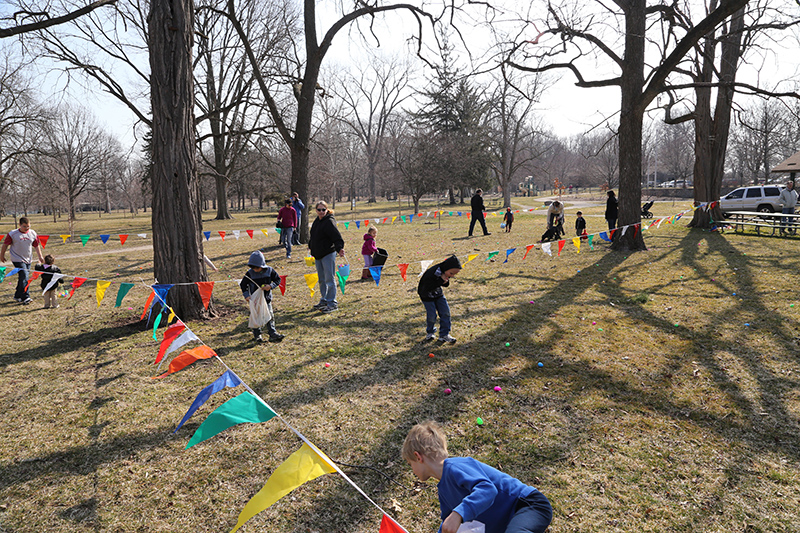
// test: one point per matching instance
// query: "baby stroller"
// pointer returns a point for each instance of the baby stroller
(552, 233)
(646, 209)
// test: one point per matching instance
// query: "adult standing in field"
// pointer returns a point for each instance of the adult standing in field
(298, 206)
(287, 217)
(612, 210)
(477, 212)
(20, 243)
(324, 244)
(788, 198)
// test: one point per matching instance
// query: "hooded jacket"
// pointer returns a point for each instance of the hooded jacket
(431, 282)
(369, 246)
(325, 237)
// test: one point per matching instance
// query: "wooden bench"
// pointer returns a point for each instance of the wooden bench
(760, 220)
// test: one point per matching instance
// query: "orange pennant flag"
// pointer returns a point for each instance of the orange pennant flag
(403, 269)
(205, 288)
(527, 249)
(122, 239)
(147, 304)
(187, 358)
(282, 285)
(170, 335)
(43, 239)
(35, 274)
(222, 234)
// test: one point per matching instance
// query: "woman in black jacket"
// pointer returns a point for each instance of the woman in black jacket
(611, 210)
(324, 244)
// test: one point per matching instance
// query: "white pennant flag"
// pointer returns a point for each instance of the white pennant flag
(184, 338)
(236, 234)
(424, 266)
(659, 222)
(377, 221)
(142, 235)
(624, 229)
(427, 214)
(53, 281)
(546, 249)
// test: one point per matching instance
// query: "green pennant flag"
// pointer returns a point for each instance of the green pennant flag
(346, 224)
(404, 219)
(2, 273)
(492, 254)
(341, 279)
(84, 239)
(123, 290)
(591, 238)
(156, 322)
(238, 410)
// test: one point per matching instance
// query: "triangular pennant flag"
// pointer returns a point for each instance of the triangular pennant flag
(604, 236)
(170, 335)
(249, 232)
(423, 266)
(42, 239)
(546, 249)
(459, 213)
(410, 218)
(64, 238)
(385, 219)
(53, 281)
(403, 218)
(561, 244)
(34, 275)
(435, 213)
(156, 322)
(492, 254)
(403, 269)
(84, 239)
(388, 525)
(265, 232)
(624, 229)
(13, 271)
(366, 223)
(205, 288)
(393, 219)
(376, 274)
(342, 274)
(279, 230)
(527, 249)
(100, 291)
(222, 235)
(509, 252)
(240, 409)
(591, 238)
(122, 239)
(341, 280)
(282, 285)
(123, 290)
(2, 271)
(470, 257)
(142, 235)
(207, 235)
(77, 282)
(148, 304)
(182, 340)
(228, 379)
(187, 358)
(577, 242)
(236, 234)
(358, 224)
(311, 280)
(636, 229)
(612, 233)
(346, 224)
(302, 466)
(160, 292)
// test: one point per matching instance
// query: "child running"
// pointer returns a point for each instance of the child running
(432, 296)
(48, 269)
(470, 490)
(261, 279)
(369, 248)
(508, 218)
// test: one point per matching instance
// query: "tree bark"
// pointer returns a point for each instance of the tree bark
(177, 222)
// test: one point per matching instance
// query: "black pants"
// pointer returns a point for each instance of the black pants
(477, 217)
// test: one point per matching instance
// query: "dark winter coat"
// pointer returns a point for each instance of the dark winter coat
(477, 204)
(611, 207)
(431, 282)
(325, 237)
(49, 270)
(253, 281)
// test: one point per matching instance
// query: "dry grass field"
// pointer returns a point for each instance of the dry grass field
(668, 398)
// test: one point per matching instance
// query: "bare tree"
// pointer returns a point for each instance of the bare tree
(601, 153)
(760, 133)
(417, 156)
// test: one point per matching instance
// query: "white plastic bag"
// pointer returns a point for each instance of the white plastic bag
(259, 310)
(473, 526)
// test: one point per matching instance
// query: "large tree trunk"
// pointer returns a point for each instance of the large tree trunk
(177, 224)
(630, 130)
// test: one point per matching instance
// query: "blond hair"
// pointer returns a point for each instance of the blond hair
(427, 439)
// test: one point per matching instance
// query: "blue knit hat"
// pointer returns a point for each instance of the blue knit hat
(257, 260)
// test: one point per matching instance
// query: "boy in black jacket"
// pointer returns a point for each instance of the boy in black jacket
(49, 269)
(432, 296)
(261, 279)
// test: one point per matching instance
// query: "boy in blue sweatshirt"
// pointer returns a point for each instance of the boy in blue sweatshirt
(261, 279)
(470, 490)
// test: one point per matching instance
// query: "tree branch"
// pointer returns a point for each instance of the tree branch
(48, 22)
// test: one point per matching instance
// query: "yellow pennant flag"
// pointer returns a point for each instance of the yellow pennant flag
(264, 232)
(577, 242)
(100, 292)
(64, 238)
(311, 280)
(470, 257)
(303, 465)
(171, 315)
(393, 219)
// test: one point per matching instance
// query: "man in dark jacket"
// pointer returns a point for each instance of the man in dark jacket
(477, 212)
(432, 296)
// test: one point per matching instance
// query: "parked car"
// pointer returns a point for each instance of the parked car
(763, 198)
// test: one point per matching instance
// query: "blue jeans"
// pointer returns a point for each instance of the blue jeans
(326, 271)
(286, 235)
(24, 274)
(439, 305)
(533, 514)
(786, 222)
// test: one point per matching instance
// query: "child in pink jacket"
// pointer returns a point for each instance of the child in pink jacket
(369, 248)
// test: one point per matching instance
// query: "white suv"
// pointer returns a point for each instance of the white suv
(764, 198)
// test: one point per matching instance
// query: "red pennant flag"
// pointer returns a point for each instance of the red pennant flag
(390, 526)
(366, 223)
(611, 235)
(468, 214)
(403, 269)
(636, 229)
(147, 304)
(435, 213)
(205, 288)
(35, 274)
(249, 232)
(77, 282)
(43, 239)
(561, 246)
(122, 239)
(222, 234)
(527, 249)
(187, 358)
(384, 220)
(282, 285)
(170, 335)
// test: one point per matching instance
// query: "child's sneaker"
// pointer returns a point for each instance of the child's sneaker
(259, 339)
(276, 338)
(448, 339)
(430, 337)
(26, 301)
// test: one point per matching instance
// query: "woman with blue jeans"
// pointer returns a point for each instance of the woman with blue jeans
(325, 243)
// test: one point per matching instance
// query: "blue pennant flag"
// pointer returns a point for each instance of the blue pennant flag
(13, 271)
(228, 379)
(358, 224)
(410, 218)
(104, 238)
(509, 252)
(604, 236)
(376, 274)
(207, 234)
(161, 291)
(459, 213)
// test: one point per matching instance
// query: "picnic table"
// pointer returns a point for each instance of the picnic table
(761, 219)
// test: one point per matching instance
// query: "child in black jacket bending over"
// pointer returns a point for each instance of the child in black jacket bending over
(432, 296)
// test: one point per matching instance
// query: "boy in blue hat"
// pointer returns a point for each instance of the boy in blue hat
(261, 278)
